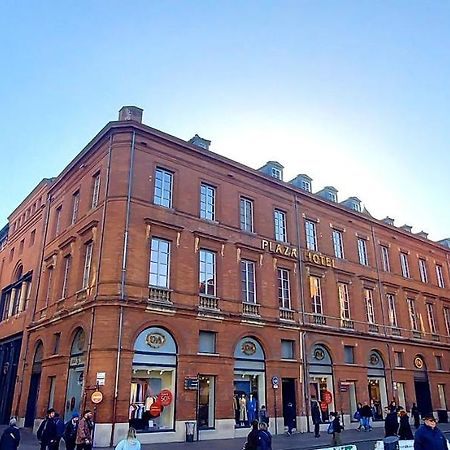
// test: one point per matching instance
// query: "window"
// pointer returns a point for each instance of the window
(423, 270)
(385, 258)
(246, 214)
(207, 342)
(412, 314)
(344, 301)
(206, 401)
(51, 391)
(280, 226)
(398, 359)
(87, 265)
(441, 394)
(349, 354)
(95, 190)
(392, 310)
(207, 273)
(56, 341)
(311, 238)
(368, 300)
(276, 173)
(159, 263)
(438, 362)
(431, 321)
(21, 244)
(248, 281)
(66, 275)
(316, 295)
(338, 244)
(404, 264)
(440, 276)
(287, 349)
(362, 252)
(305, 185)
(332, 196)
(58, 220)
(32, 237)
(75, 206)
(207, 202)
(284, 291)
(49, 285)
(447, 320)
(163, 188)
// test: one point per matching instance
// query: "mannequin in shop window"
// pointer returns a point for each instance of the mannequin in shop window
(243, 418)
(251, 408)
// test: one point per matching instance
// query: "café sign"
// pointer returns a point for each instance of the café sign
(279, 249)
(319, 259)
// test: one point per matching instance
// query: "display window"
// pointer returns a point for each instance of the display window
(206, 401)
(376, 384)
(75, 380)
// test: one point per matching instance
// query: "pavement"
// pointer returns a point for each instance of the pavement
(298, 441)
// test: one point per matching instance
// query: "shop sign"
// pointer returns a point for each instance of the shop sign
(165, 397)
(319, 259)
(343, 387)
(248, 348)
(96, 397)
(327, 397)
(156, 340)
(324, 406)
(418, 362)
(191, 383)
(279, 249)
(76, 360)
(155, 409)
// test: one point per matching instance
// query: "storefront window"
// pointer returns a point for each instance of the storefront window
(376, 384)
(206, 401)
(153, 381)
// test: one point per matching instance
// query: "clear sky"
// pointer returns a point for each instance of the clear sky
(354, 93)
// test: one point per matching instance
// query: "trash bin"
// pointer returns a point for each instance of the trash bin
(190, 431)
(442, 416)
(391, 443)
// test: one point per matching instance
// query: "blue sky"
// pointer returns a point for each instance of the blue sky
(354, 93)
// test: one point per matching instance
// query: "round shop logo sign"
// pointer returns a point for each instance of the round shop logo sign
(155, 340)
(249, 348)
(418, 362)
(319, 354)
(374, 359)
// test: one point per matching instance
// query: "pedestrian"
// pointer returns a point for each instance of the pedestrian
(130, 443)
(264, 437)
(10, 439)
(84, 432)
(357, 416)
(404, 431)
(252, 438)
(336, 428)
(416, 415)
(46, 432)
(428, 436)
(70, 431)
(59, 423)
(263, 415)
(366, 415)
(390, 422)
(316, 416)
(289, 416)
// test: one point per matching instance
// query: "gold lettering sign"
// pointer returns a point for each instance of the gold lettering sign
(279, 249)
(319, 259)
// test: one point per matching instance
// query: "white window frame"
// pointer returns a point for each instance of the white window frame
(344, 301)
(58, 211)
(207, 267)
(276, 173)
(311, 235)
(315, 290)
(412, 314)
(338, 244)
(95, 190)
(404, 265)
(385, 258)
(75, 206)
(446, 312)
(305, 185)
(207, 202)
(431, 319)
(362, 252)
(441, 395)
(66, 275)
(284, 288)
(162, 268)
(423, 270)
(87, 265)
(48, 293)
(246, 214)
(248, 278)
(332, 196)
(440, 276)
(280, 225)
(164, 183)
(370, 309)
(392, 308)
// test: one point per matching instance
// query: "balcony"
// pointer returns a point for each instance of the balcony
(159, 294)
(317, 319)
(417, 334)
(435, 337)
(250, 309)
(347, 324)
(373, 328)
(208, 303)
(287, 314)
(396, 331)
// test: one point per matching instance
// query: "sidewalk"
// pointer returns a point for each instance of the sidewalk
(300, 441)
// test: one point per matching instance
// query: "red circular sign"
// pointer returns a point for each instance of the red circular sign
(327, 397)
(165, 397)
(155, 410)
(323, 406)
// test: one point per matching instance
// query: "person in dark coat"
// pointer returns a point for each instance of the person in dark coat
(10, 439)
(264, 437)
(289, 415)
(428, 436)
(59, 424)
(366, 415)
(390, 423)
(416, 415)
(316, 416)
(404, 431)
(337, 428)
(263, 415)
(70, 431)
(46, 433)
(253, 437)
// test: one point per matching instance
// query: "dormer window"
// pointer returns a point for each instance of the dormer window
(356, 207)
(332, 196)
(272, 169)
(306, 185)
(276, 173)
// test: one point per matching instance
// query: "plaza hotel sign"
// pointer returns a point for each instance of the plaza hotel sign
(319, 259)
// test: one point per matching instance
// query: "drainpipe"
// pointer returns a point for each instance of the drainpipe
(122, 283)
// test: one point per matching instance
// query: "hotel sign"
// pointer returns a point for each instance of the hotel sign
(279, 249)
(319, 259)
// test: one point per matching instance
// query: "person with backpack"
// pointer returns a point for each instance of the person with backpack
(335, 429)
(10, 439)
(70, 431)
(46, 432)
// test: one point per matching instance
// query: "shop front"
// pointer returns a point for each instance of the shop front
(376, 384)
(422, 385)
(35, 384)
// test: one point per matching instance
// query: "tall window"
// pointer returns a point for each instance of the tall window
(280, 226)
(398, 359)
(66, 275)
(385, 258)
(338, 244)
(248, 281)
(75, 206)
(58, 220)
(284, 290)
(159, 263)
(431, 321)
(404, 264)
(362, 252)
(207, 273)
(316, 295)
(392, 310)
(349, 354)
(87, 265)
(49, 285)
(447, 320)
(311, 237)
(163, 188)
(440, 276)
(246, 214)
(441, 395)
(207, 202)
(95, 190)
(344, 301)
(412, 314)
(423, 270)
(368, 300)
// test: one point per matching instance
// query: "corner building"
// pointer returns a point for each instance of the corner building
(188, 287)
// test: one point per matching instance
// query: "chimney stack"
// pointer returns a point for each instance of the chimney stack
(130, 113)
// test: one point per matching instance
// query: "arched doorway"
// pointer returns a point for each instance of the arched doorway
(376, 384)
(320, 370)
(249, 381)
(75, 380)
(422, 386)
(153, 381)
(35, 383)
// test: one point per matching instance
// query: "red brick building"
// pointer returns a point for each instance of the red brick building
(186, 286)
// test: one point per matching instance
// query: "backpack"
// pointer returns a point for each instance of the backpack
(330, 429)
(357, 415)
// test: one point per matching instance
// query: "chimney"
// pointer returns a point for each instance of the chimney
(131, 113)
(200, 142)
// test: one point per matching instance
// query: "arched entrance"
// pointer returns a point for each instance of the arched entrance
(249, 381)
(422, 386)
(152, 398)
(320, 370)
(75, 380)
(376, 384)
(35, 383)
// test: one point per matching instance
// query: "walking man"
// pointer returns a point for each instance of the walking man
(84, 432)
(428, 436)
